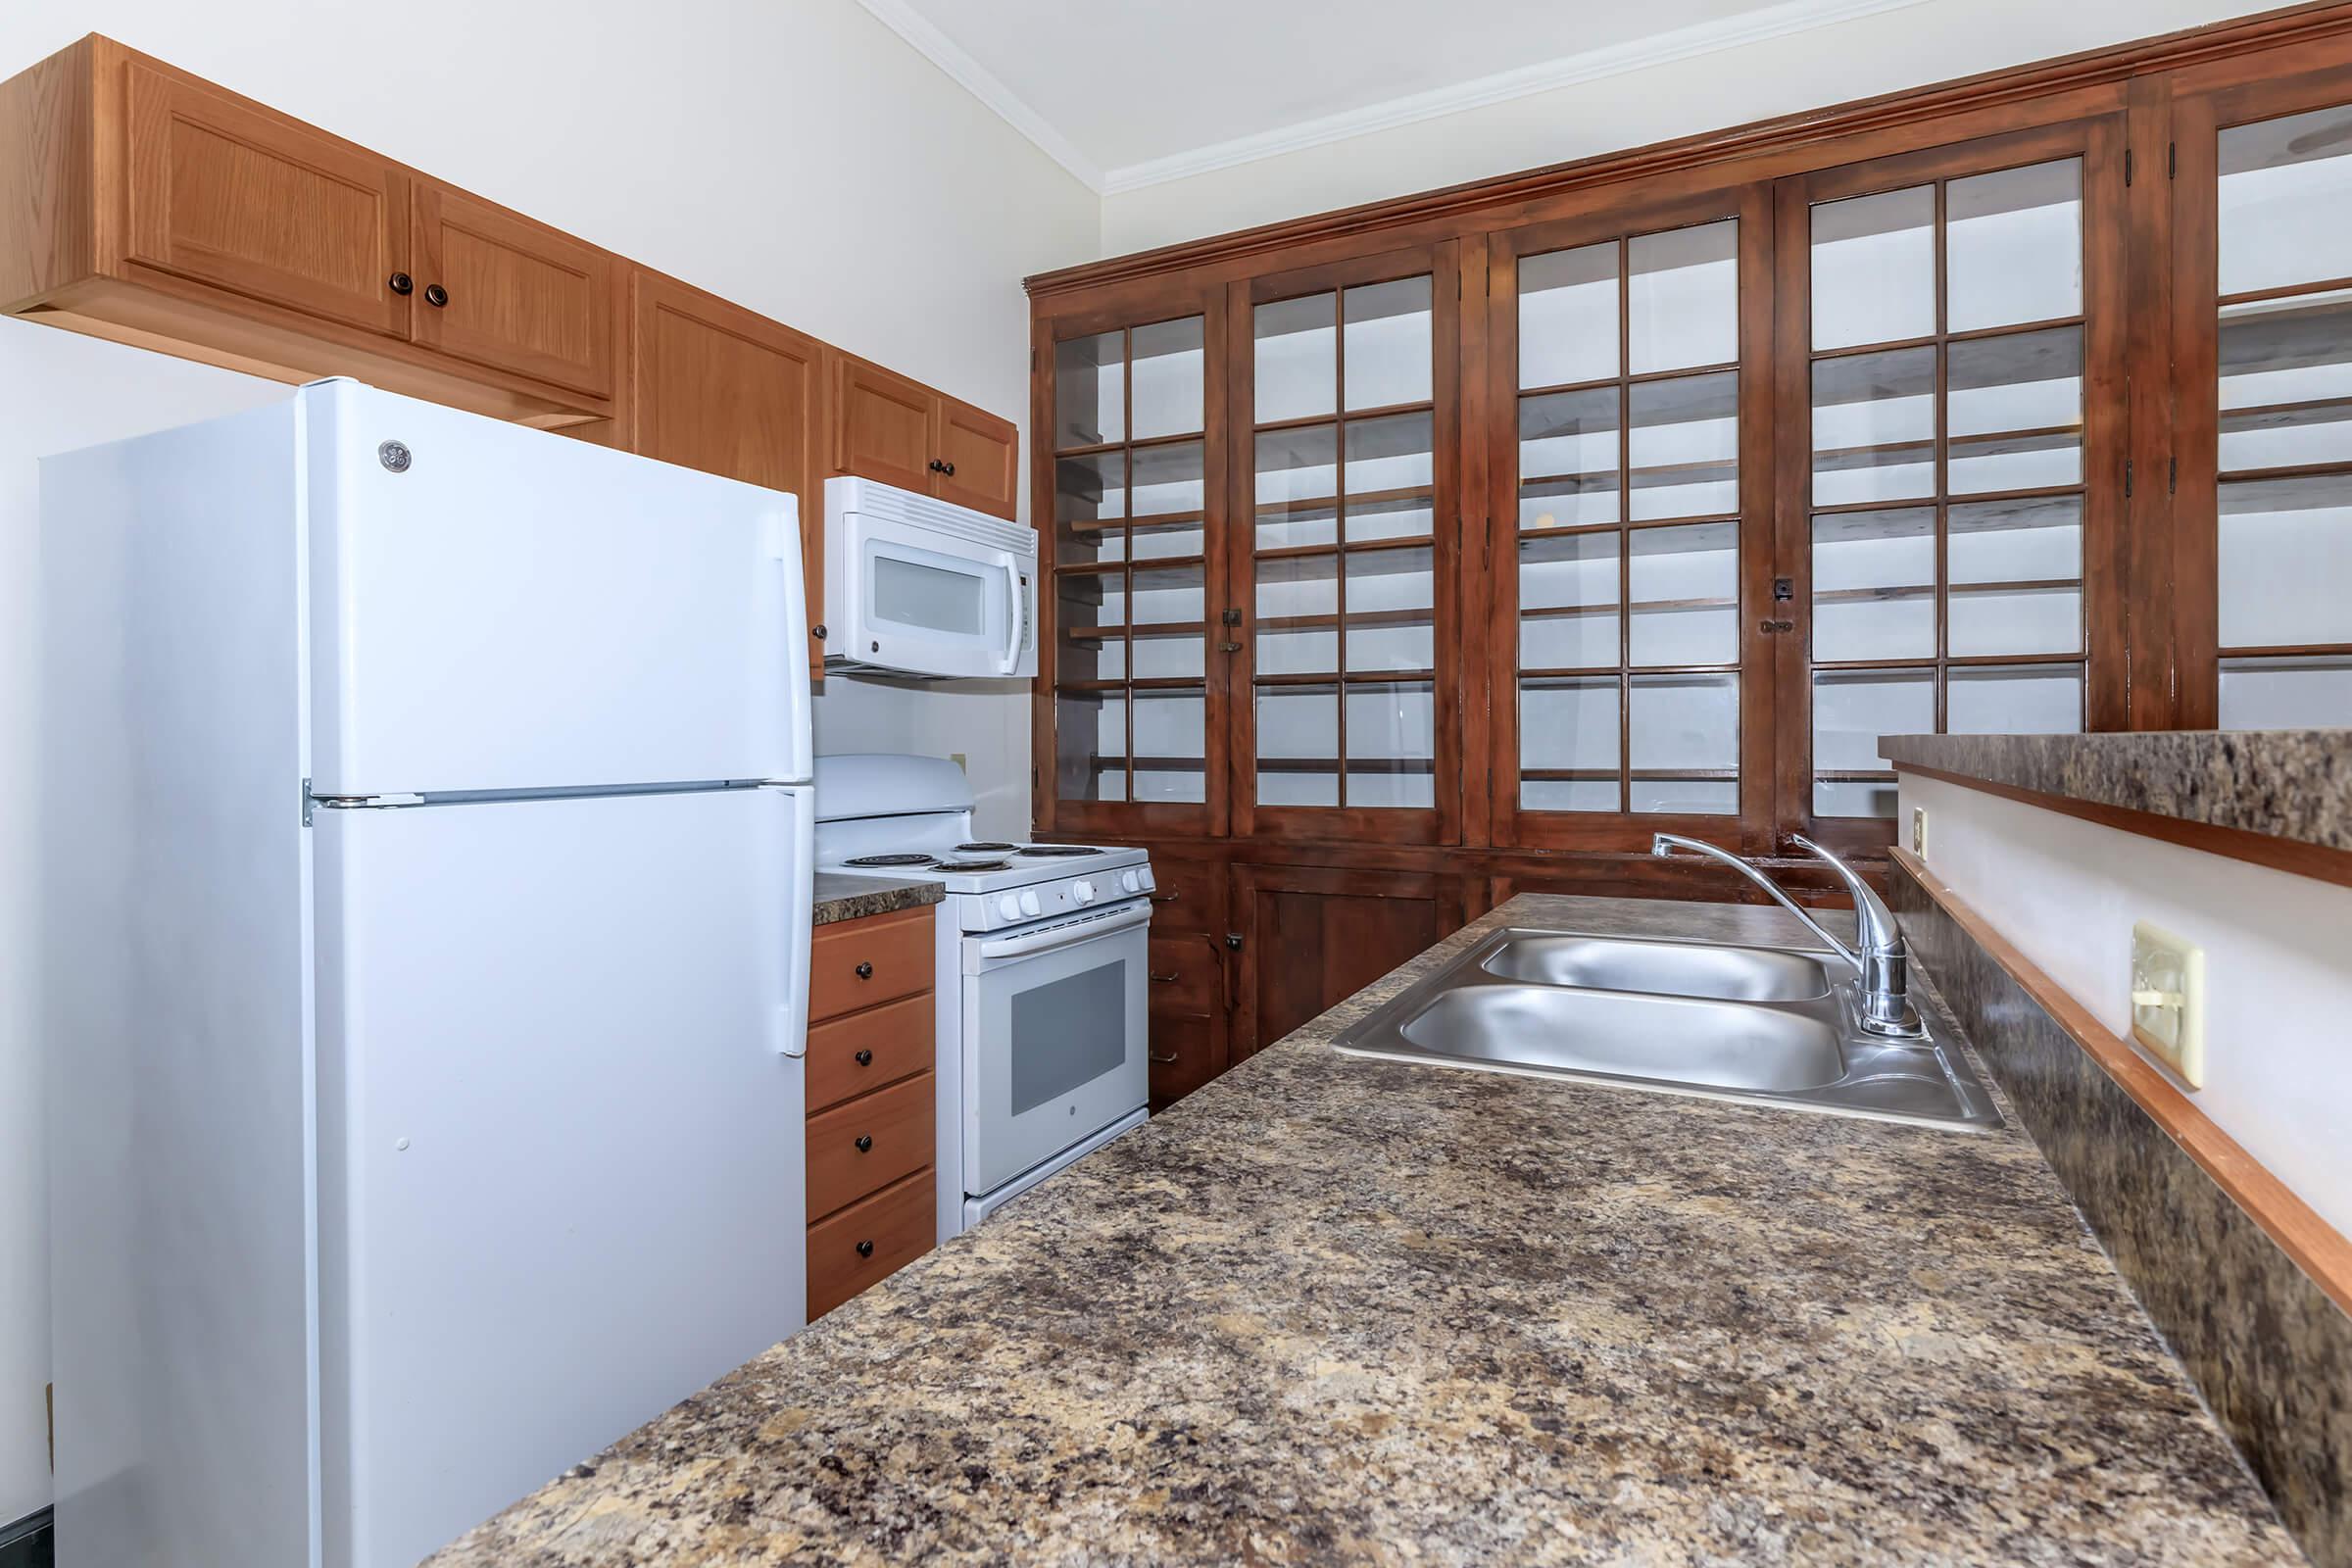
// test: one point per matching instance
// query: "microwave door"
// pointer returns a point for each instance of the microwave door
(938, 611)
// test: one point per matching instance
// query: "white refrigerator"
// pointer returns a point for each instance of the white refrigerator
(427, 883)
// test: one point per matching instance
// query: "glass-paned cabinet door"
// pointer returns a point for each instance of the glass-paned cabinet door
(1953, 361)
(1631, 522)
(2262, 400)
(1124, 689)
(1344, 465)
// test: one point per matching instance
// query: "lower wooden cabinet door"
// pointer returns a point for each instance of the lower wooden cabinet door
(1313, 936)
(870, 1239)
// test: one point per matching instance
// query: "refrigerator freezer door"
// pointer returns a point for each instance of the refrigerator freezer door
(561, 1155)
(495, 607)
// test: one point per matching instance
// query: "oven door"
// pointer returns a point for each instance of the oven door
(1053, 1039)
(932, 604)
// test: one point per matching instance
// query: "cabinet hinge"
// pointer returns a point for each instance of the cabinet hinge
(2126, 180)
(2172, 160)
(306, 803)
(2127, 479)
(2171, 475)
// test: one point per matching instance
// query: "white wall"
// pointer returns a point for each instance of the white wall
(793, 155)
(2066, 892)
(1906, 47)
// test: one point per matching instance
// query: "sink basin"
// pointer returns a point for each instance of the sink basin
(1661, 968)
(1672, 1039)
(1774, 1027)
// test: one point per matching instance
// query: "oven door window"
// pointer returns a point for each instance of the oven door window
(1066, 1033)
(1054, 1054)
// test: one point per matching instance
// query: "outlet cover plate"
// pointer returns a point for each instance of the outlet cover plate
(1919, 831)
(2165, 965)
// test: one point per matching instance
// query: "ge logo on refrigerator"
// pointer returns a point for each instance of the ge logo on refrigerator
(393, 455)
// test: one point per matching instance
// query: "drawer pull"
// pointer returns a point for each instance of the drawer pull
(1166, 898)
(1165, 979)
(865, 1249)
(865, 1141)
(865, 1059)
(1168, 1061)
(865, 971)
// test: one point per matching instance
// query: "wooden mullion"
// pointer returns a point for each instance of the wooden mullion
(1624, 514)
(2144, 591)
(2284, 291)
(2107, 429)
(2287, 651)
(1941, 404)
(1339, 523)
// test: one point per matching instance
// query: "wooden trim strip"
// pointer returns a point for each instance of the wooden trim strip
(2316, 1248)
(2321, 862)
(2105, 66)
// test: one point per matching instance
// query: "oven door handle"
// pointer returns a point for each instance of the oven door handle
(1064, 936)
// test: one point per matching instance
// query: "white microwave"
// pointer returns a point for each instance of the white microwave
(922, 587)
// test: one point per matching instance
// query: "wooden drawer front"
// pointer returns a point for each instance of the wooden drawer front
(866, 1050)
(862, 963)
(1185, 976)
(893, 1127)
(1183, 1057)
(516, 295)
(1186, 897)
(870, 1239)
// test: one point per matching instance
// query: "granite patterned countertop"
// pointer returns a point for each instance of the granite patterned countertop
(1331, 1309)
(2280, 783)
(841, 896)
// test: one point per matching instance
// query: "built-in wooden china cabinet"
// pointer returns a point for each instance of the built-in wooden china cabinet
(1411, 556)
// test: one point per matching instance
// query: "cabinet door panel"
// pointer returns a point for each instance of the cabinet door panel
(228, 194)
(521, 297)
(882, 426)
(1312, 937)
(982, 455)
(715, 387)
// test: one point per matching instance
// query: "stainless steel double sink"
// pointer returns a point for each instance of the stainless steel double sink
(1769, 1025)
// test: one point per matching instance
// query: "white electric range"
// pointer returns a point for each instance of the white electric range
(1040, 1053)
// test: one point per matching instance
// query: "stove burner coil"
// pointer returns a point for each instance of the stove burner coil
(1044, 850)
(888, 860)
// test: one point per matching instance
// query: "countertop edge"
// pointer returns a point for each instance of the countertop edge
(841, 896)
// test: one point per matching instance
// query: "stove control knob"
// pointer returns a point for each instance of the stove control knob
(1145, 875)
(1131, 882)
(1083, 890)
(1030, 905)
(1009, 906)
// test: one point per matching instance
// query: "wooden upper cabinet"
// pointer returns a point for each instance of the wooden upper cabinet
(715, 387)
(979, 456)
(225, 193)
(496, 288)
(895, 430)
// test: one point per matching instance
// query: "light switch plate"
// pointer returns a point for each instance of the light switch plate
(2167, 999)
(1919, 831)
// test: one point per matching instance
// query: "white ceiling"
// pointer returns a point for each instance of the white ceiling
(1126, 93)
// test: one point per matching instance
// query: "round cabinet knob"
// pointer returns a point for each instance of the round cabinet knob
(865, 1059)
(865, 1249)
(1083, 890)
(1009, 906)
(400, 284)
(435, 295)
(1030, 905)
(865, 971)
(1131, 882)
(865, 1142)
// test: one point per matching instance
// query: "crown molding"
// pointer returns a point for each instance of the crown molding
(1521, 81)
(975, 78)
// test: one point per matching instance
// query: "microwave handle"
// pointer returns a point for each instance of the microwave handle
(1016, 615)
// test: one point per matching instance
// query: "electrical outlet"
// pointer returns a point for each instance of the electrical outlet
(1919, 831)
(2167, 999)
(958, 759)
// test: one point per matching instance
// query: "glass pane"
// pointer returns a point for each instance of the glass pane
(1683, 298)
(1087, 492)
(2286, 561)
(1685, 594)
(2013, 246)
(1297, 745)
(2287, 382)
(1298, 475)
(1389, 459)
(2016, 411)
(1091, 613)
(1568, 316)
(2023, 700)
(1684, 743)
(1568, 727)
(1170, 745)
(1386, 347)
(2035, 540)
(1170, 373)
(1166, 482)
(2286, 200)
(1874, 427)
(2015, 620)
(1568, 592)
(1390, 595)
(1298, 358)
(1168, 596)
(1684, 447)
(1406, 516)
(1874, 269)
(1851, 709)
(1089, 390)
(1568, 459)
(1392, 739)
(1291, 587)
(1174, 647)
(1090, 746)
(2286, 693)
(1874, 585)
